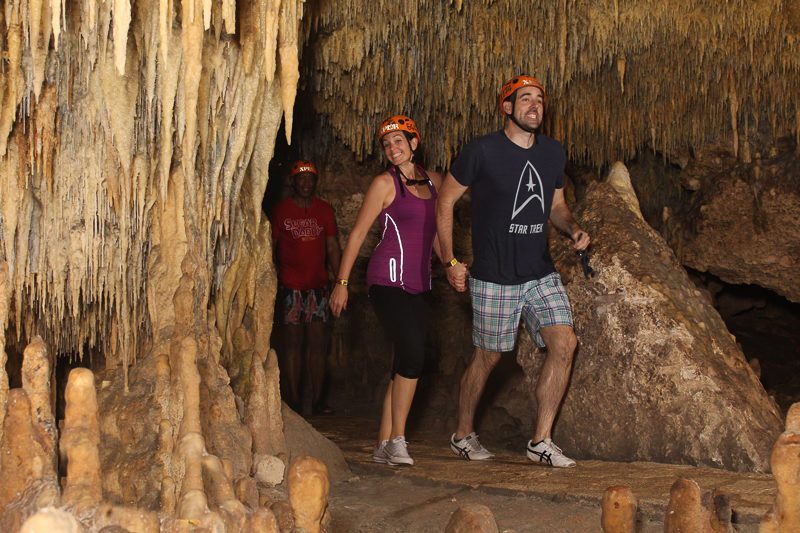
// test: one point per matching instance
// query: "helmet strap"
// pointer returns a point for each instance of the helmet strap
(521, 126)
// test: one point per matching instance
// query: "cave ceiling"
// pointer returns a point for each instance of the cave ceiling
(620, 76)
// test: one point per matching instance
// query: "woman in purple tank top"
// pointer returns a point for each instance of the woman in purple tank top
(403, 199)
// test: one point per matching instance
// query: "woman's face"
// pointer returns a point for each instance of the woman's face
(397, 148)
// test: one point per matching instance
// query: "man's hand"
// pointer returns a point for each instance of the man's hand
(457, 276)
(581, 240)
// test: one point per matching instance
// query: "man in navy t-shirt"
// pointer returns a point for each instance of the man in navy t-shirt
(516, 176)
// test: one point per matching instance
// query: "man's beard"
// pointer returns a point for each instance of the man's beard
(523, 127)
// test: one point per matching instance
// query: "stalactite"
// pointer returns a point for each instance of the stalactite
(671, 69)
(290, 15)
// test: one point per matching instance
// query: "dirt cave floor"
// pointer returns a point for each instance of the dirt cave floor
(523, 497)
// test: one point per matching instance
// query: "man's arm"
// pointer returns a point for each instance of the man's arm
(449, 193)
(561, 217)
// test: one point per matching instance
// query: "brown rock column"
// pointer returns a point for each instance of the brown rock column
(81, 440)
(21, 457)
(262, 521)
(619, 510)
(784, 517)
(5, 292)
(691, 510)
(472, 518)
(36, 373)
(309, 488)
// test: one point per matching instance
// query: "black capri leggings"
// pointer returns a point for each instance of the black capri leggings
(404, 318)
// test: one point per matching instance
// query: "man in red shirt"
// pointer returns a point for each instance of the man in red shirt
(304, 234)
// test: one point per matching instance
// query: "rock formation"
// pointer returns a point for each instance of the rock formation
(785, 513)
(653, 347)
(135, 141)
(472, 518)
(618, 510)
(737, 222)
(693, 510)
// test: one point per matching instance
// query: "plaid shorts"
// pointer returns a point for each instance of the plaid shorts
(496, 310)
(301, 307)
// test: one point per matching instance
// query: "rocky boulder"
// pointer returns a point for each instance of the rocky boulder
(657, 376)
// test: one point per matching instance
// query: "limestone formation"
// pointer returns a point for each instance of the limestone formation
(262, 521)
(760, 200)
(609, 89)
(302, 439)
(83, 488)
(656, 375)
(785, 513)
(24, 455)
(5, 300)
(36, 374)
(126, 518)
(619, 508)
(692, 510)
(309, 488)
(50, 520)
(472, 518)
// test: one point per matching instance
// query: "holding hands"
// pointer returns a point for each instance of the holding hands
(457, 276)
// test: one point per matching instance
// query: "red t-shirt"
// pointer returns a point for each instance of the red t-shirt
(300, 235)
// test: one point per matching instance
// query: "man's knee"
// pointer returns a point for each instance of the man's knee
(486, 360)
(561, 342)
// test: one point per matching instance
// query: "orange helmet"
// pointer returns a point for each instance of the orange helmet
(515, 83)
(300, 166)
(398, 122)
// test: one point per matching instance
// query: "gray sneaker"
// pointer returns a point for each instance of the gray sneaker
(397, 452)
(546, 452)
(470, 448)
(379, 454)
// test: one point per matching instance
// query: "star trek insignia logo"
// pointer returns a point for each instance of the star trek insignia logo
(529, 188)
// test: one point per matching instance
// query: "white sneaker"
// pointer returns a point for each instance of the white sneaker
(548, 453)
(379, 454)
(470, 448)
(397, 452)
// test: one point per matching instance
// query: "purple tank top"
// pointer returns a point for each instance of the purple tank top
(403, 256)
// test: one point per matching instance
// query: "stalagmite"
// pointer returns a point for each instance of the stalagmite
(619, 178)
(80, 442)
(472, 518)
(5, 293)
(784, 517)
(692, 510)
(22, 456)
(262, 521)
(619, 510)
(36, 373)
(193, 503)
(309, 488)
(127, 518)
(52, 520)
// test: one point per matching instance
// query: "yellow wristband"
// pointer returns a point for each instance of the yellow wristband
(342, 282)
(453, 262)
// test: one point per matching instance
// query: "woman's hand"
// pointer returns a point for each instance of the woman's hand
(338, 300)
(457, 276)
